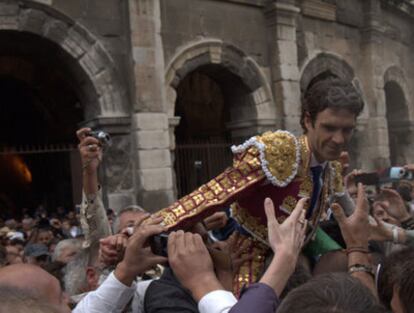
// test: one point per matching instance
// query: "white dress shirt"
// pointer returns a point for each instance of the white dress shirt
(217, 301)
(111, 297)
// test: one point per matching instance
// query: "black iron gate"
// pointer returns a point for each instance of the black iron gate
(197, 163)
(33, 175)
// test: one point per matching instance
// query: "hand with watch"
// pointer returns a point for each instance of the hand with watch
(356, 232)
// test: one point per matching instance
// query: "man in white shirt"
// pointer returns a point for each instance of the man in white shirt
(118, 289)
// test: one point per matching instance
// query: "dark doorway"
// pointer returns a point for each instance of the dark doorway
(207, 100)
(397, 118)
(40, 109)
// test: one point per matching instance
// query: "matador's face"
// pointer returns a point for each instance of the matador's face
(330, 133)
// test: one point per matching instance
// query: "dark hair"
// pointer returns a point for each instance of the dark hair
(299, 277)
(405, 282)
(3, 256)
(330, 92)
(391, 269)
(329, 293)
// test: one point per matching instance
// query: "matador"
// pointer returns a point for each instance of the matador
(282, 167)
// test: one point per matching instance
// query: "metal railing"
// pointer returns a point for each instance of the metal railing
(197, 163)
(36, 149)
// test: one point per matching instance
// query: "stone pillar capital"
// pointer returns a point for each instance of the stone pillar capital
(283, 13)
(111, 124)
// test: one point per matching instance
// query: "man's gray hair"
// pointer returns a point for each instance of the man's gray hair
(75, 279)
(129, 208)
(63, 245)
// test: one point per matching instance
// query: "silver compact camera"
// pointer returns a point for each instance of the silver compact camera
(103, 137)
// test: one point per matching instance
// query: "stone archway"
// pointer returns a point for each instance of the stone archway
(102, 89)
(398, 115)
(259, 105)
(91, 75)
(322, 63)
(238, 94)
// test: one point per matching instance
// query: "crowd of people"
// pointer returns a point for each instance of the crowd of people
(92, 259)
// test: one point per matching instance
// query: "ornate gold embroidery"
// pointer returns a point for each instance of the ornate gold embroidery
(249, 222)
(249, 271)
(215, 186)
(305, 155)
(244, 169)
(188, 205)
(235, 176)
(306, 187)
(280, 153)
(178, 211)
(288, 204)
(169, 218)
(337, 177)
(198, 199)
(226, 183)
(209, 195)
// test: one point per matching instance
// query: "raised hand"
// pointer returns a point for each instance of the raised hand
(289, 236)
(216, 221)
(90, 151)
(138, 256)
(286, 241)
(192, 264)
(355, 228)
(396, 207)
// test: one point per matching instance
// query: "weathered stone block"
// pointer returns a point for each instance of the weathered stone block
(78, 41)
(32, 20)
(144, 55)
(286, 72)
(118, 201)
(260, 96)
(55, 30)
(285, 32)
(93, 60)
(153, 201)
(47, 2)
(150, 121)
(9, 9)
(286, 52)
(9, 22)
(143, 34)
(155, 179)
(319, 9)
(148, 159)
(152, 139)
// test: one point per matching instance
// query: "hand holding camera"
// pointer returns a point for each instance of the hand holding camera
(91, 144)
(384, 176)
(138, 256)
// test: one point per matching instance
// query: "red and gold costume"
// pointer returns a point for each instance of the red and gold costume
(274, 165)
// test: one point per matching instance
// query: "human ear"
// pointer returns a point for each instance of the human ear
(308, 121)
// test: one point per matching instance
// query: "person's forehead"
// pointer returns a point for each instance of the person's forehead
(330, 114)
(130, 214)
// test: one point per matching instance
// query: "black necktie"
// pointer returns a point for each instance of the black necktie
(316, 178)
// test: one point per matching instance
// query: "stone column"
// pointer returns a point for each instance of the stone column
(403, 131)
(116, 176)
(281, 22)
(152, 167)
(374, 152)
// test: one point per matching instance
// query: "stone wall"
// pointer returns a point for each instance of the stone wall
(129, 56)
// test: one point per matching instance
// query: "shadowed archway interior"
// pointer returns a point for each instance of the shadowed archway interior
(208, 99)
(41, 107)
(397, 117)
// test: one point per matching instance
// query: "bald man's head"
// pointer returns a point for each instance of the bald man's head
(35, 281)
(19, 301)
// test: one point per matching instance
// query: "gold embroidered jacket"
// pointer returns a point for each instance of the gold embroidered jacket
(276, 165)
